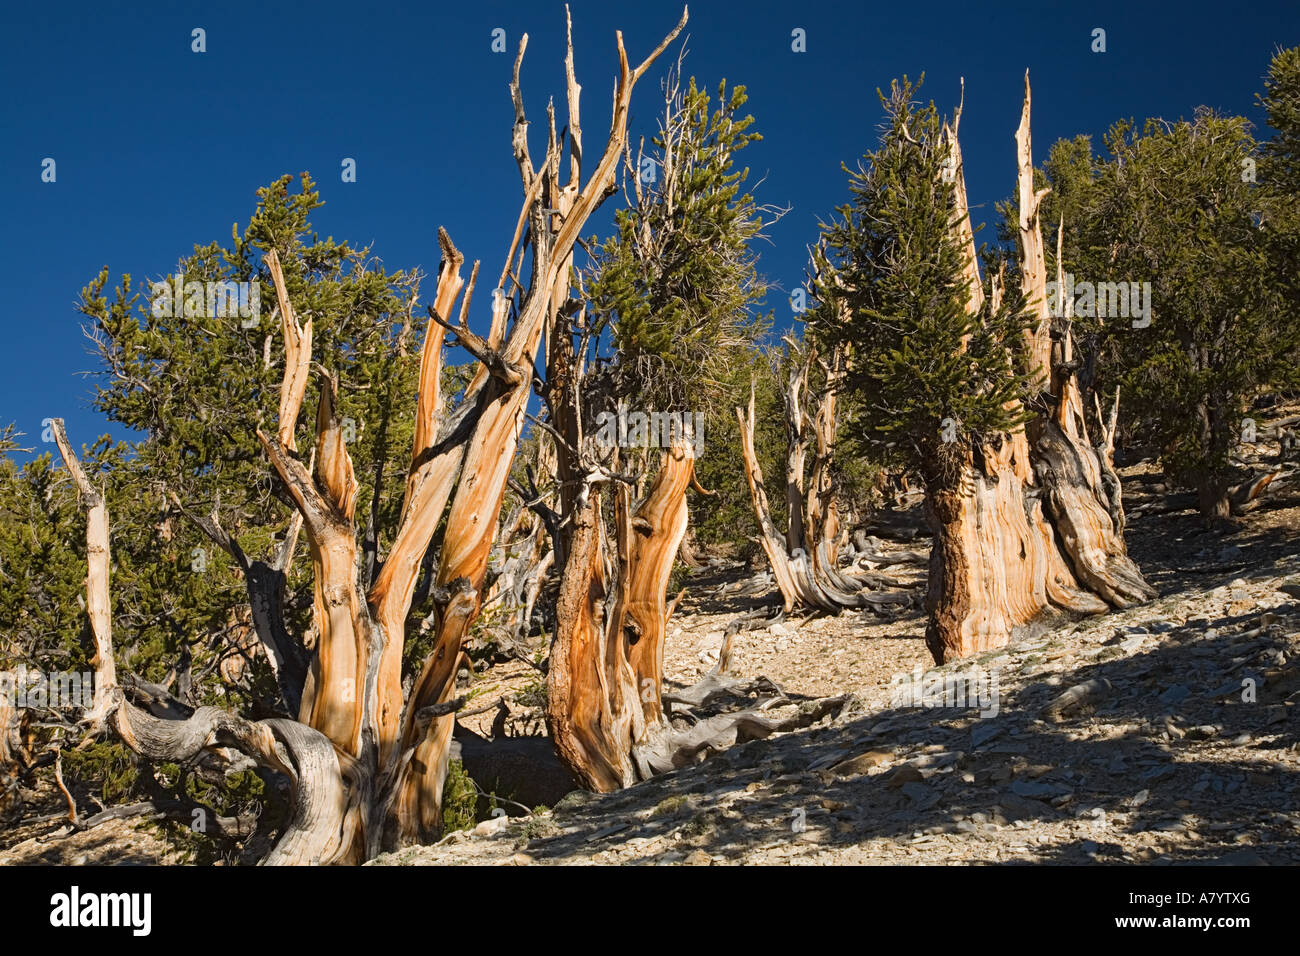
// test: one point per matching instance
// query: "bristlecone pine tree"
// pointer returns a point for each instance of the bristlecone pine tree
(1196, 211)
(964, 382)
(366, 761)
(803, 560)
(673, 289)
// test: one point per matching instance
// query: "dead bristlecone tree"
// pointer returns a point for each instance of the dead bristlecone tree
(367, 762)
(804, 559)
(962, 383)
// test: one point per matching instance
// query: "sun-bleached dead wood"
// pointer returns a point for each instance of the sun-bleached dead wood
(265, 583)
(523, 557)
(606, 706)
(10, 745)
(803, 560)
(620, 524)
(605, 702)
(321, 822)
(1031, 521)
(961, 212)
(605, 699)
(233, 828)
(717, 732)
(1083, 492)
(606, 668)
(1245, 496)
(865, 552)
(557, 232)
(688, 555)
(1078, 698)
(366, 760)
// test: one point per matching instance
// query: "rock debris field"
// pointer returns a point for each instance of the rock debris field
(1162, 734)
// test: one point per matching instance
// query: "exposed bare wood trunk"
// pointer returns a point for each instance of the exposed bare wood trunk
(436, 460)
(342, 623)
(471, 527)
(994, 567)
(657, 529)
(1034, 522)
(321, 828)
(803, 559)
(472, 522)
(1245, 496)
(1082, 489)
(591, 692)
(366, 766)
(9, 745)
(606, 666)
(961, 212)
(688, 555)
(535, 583)
(606, 708)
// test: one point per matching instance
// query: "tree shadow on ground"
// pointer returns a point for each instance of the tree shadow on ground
(107, 849)
(1172, 758)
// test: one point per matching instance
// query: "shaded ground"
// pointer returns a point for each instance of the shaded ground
(1187, 753)
(116, 843)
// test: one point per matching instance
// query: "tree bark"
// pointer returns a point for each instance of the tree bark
(9, 766)
(321, 828)
(366, 766)
(803, 559)
(1031, 523)
(473, 518)
(606, 707)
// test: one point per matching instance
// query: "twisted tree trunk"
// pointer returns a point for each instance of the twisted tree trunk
(9, 747)
(803, 559)
(366, 765)
(1032, 522)
(606, 704)
(606, 673)
(607, 709)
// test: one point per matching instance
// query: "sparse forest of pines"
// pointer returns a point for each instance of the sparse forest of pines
(330, 529)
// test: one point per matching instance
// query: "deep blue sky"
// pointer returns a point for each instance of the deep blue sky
(159, 148)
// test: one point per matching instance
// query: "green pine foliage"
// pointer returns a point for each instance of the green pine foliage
(1279, 179)
(1174, 209)
(41, 569)
(1209, 217)
(674, 293)
(1183, 206)
(676, 284)
(726, 523)
(892, 248)
(194, 389)
(673, 302)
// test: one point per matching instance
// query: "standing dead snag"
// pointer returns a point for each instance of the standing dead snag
(323, 823)
(367, 763)
(1033, 520)
(606, 658)
(1083, 491)
(471, 524)
(803, 560)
